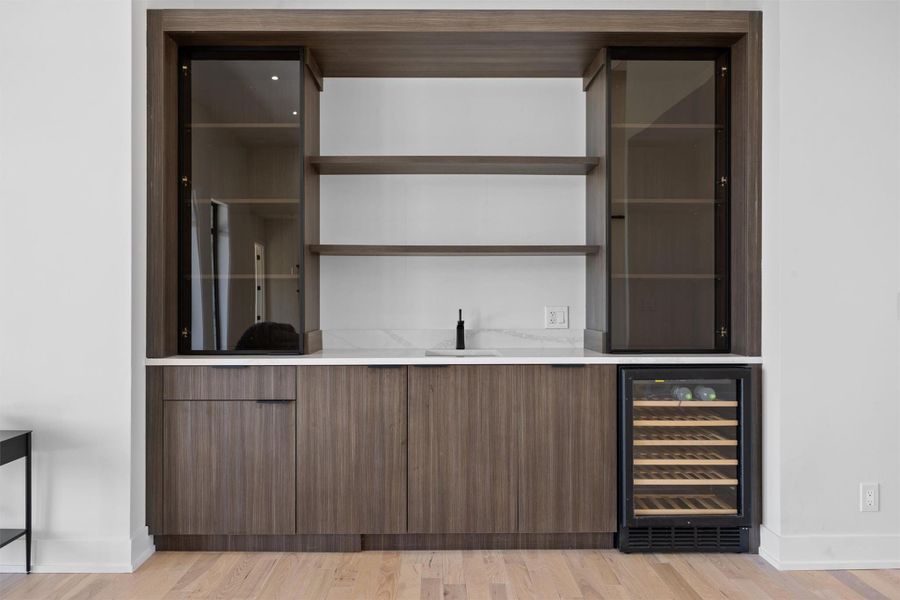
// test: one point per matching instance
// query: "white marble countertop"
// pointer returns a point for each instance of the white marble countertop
(411, 356)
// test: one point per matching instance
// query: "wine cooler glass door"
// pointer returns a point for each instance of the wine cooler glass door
(686, 452)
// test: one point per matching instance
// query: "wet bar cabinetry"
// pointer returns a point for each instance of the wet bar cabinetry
(671, 165)
(481, 456)
(410, 455)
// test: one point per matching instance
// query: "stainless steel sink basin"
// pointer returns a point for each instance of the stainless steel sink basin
(473, 352)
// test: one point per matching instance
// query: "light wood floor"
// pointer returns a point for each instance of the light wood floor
(510, 574)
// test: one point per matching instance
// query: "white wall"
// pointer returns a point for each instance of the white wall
(831, 283)
(543, 117)
(831, 338)
(65, 260)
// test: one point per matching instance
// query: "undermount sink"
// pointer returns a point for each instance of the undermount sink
(473, 352)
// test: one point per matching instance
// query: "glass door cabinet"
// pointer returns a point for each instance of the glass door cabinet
(240, 180)
(668, 194)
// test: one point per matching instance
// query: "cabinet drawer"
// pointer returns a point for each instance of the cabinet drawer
(230, 383)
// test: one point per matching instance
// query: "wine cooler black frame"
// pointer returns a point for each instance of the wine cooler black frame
(685, 532)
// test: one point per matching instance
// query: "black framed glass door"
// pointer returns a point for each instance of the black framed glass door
(241, 175)
(668, 194)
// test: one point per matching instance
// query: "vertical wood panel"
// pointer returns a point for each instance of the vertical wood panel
(568, 447)
(162, 191)
(155, 450)
(462, 449)
(596, 211)
(312, 341)
(229, 467)
(351, 450)
(746, 166)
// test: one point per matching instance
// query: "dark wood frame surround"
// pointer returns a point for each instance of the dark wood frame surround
(438, 43)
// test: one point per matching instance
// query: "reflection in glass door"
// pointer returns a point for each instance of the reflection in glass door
(241, 160)
(668, 190)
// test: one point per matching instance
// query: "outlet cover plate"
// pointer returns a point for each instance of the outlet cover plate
(556, 317)
(868, 497)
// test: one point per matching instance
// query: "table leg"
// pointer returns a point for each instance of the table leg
(28, 506)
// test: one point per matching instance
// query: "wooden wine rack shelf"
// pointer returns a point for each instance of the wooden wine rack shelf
(683, 457)
(681, 437)
(676, 476)
(694, 504)
(663, 418)
(670, 403)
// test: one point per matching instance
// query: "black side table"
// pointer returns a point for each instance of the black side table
(13, 446)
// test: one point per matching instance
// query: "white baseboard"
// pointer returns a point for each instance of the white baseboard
(828, 552)
(73, 555)
(142, 548)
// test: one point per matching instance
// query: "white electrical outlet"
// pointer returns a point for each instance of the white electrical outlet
(868, 497)
(556, 317)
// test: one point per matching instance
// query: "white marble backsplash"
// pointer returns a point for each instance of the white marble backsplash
(371, 339)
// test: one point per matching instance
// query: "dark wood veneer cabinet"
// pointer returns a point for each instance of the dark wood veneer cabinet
(462, 450)
(351, 449)
(567, 477)
(228, 467)
(527, 448)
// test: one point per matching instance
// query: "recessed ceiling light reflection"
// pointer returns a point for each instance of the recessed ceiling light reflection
(274, 77)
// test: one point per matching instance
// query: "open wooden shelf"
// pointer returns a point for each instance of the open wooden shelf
(664, 276)
(229, 201)
(462, 250)
(246, 276)
(666, 201)
(683, 476)
(454, 165)
(666, 126)
(244, 125)
(669, 504)
(681, 437)
(675, 456)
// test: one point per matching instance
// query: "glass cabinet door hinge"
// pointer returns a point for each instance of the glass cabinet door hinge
(724, 71)
(723, 332)
(723, 181)
(185, 333)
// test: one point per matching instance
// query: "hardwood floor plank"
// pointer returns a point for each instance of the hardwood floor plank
(455, 575)
(882, 581)
(431, 589)
(675, 581)
(387, 576)
(849, 579)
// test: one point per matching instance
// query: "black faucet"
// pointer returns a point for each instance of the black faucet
(460, 333)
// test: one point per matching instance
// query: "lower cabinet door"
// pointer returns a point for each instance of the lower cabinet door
(229, 467)
(568, 456)
(351, 449)
(462, 450)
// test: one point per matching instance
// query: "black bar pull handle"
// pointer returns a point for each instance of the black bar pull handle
(569, 366)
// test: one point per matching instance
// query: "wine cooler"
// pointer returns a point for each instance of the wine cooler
(685, 459)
